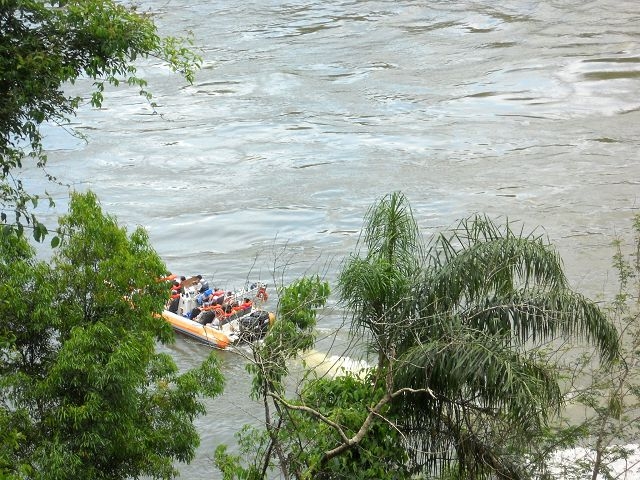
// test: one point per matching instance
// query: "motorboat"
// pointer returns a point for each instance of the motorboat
(219, 318)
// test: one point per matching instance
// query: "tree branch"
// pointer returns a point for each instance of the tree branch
(347, 442)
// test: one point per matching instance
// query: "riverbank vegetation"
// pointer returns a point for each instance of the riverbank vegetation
(464, 336)
(459, 331)
(83, 392)
(601, 440)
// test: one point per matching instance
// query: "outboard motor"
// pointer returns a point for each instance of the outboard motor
(254, 326)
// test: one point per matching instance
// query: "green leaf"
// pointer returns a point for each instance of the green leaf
(81, 382)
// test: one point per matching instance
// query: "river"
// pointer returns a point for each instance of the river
(306, 112)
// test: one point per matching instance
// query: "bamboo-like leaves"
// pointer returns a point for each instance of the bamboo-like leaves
(377, 287)
(472, 368)
(537, 315)
(478, 258)
(391, 233)
(457, 324)
(470, 391)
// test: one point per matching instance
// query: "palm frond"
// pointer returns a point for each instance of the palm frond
(377, 285)
(479, 370)
(536, 315)
(478, 258)
(379, 297)
(391, 233)
(468, 387)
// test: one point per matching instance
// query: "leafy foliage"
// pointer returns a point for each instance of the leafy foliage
(292, 333)
(454, 324)
(83, 393)
(460, 389)
(45, 44)
(327, 410)
(345, 401)
(377, 287)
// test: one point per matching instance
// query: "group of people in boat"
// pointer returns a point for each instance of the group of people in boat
(213, 306)
(180, 284)
(219, 314)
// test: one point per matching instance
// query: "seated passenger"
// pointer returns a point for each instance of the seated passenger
(243, 307)
(202, 285)
(173, 304)
(204, 297)
(177, 286)
(210, 297)
(207, 317)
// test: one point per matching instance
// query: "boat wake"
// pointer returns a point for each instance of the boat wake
(324, 364)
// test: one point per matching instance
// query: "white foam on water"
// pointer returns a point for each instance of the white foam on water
(324, 364)
(577, 463)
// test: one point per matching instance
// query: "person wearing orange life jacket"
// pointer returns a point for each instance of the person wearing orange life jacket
(262, 294)
(210, 297)
(236, 309)
(246, 304)
(175, 289)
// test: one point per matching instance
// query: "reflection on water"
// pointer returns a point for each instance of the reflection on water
(305, 113)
